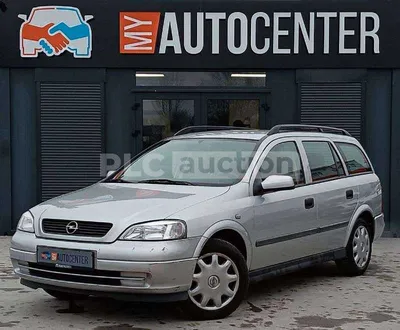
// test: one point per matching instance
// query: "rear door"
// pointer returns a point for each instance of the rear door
(361, 174)
(336, 198)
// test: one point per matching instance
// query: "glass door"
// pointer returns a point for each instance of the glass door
(162, 115)
(235, 109)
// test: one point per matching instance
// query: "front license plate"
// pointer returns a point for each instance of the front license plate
(64, 258)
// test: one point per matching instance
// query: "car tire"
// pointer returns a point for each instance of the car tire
(220, 282)
(60, 295)
(358, 250)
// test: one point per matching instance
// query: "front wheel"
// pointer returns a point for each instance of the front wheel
(220, 281)
(358, 250)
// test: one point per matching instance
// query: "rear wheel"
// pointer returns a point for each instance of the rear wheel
(358, 250)
(220, 281)
(60, 295)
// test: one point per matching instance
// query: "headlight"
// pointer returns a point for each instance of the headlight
(26, 223)
(156, 231)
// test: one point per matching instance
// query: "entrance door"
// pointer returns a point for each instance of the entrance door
(235, 109)
(161, 115)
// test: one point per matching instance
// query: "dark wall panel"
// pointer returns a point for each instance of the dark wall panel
(331, 75)
(377, 128)
(119, 114)
(5, 153)
(23, 141)
(395, 153)
(283, 98)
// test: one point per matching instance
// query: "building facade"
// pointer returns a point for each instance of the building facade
(84, 85)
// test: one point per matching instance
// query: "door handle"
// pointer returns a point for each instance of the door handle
(309, 203)
(349, 194)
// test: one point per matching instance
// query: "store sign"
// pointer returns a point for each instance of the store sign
(52, 30)
(138, 32)
(237, 33)
(219, 35)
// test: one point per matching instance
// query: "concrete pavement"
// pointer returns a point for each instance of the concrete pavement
(318, 298)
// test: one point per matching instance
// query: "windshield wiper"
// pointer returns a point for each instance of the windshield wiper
(120, 181)
(167, 181)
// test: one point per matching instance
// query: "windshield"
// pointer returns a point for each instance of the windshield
(210, 162)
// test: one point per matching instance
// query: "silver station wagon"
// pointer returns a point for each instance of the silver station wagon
(198, 216)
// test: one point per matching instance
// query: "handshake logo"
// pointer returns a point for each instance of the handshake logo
(55, 29)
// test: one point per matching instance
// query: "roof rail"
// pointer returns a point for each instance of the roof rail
(197, 129)
(307, 128)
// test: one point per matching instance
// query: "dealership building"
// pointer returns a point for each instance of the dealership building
(84, 84)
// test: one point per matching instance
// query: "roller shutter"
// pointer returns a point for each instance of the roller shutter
(70, 136)
(332, 104)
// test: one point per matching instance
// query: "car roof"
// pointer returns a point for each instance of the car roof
(257, 135)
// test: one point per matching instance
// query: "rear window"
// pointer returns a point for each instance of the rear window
(355, 159)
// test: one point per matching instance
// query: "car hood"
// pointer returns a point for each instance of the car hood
(122, 204)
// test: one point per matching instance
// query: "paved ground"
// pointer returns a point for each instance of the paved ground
(318, 298)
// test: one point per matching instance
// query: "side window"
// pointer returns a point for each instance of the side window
(339, 164)
(323, 163)
(283, 159)
(354, 158)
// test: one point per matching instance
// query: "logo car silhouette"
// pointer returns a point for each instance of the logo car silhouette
(54, 30)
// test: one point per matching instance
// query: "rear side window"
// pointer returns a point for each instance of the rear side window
(354, 158)
(324, 163)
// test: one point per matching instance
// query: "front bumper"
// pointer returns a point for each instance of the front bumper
(119, 267)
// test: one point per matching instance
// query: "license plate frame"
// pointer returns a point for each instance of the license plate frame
(65, 258)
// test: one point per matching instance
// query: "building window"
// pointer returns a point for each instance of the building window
(231, 112)
(206, 79)
(163, 118)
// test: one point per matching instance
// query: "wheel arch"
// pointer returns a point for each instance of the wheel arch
(223, 229)
(364, 211)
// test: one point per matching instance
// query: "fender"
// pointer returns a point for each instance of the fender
(353, 220)
(223, 225)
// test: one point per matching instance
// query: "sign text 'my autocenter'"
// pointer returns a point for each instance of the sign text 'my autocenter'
(261, 33)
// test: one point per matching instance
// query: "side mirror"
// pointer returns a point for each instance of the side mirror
(109, 173)
(87, 18)
(23, 17)
(278, 182)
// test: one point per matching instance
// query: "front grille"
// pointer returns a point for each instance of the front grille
(92, 276)
(85, 228)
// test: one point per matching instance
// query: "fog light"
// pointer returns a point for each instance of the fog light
(134, 279)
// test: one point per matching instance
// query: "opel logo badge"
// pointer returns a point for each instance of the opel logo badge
(213, 281)
(72, 227)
